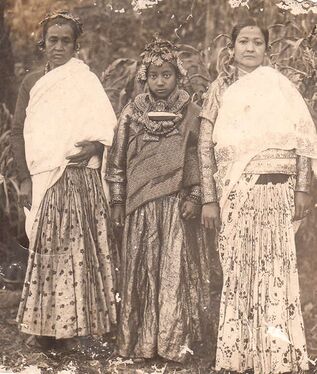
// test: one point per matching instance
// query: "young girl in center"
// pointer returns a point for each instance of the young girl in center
(153, 175)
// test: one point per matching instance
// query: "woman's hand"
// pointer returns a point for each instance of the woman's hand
(189, 209)
(118, 215)
(210, 216)
(25, 196)
(303, 205)
(88, 149)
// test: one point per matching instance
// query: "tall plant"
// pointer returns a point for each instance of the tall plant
(294, 53)
(11, 217)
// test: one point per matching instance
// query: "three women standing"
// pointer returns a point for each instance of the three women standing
(70, 283)
(257, 140)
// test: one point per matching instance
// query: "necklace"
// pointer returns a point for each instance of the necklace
(146, 103)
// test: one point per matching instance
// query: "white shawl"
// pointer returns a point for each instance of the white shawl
(67, 105)
(261, 110)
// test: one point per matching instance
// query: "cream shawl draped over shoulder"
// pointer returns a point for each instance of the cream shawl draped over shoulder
(67, 105)
(261, 110)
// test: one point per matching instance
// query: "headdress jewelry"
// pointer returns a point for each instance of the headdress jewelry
(158, 52)
(66, 15)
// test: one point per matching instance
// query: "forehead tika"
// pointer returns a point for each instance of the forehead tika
(251, 32)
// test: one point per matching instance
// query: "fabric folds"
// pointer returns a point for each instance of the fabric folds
(70, 284)
(261, 325)
(165, 283)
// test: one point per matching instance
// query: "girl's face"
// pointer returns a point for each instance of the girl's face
(162, 80)
(59, 44)
(249, 48)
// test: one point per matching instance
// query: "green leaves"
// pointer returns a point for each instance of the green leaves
(10, 212)
(294, 54)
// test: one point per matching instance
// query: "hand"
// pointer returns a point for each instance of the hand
(210, 216)
(88, 149)
(189, 209)
(303, 205)
(25, 196)
(118, 215)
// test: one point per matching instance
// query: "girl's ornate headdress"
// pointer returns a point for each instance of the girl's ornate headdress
(158, 52)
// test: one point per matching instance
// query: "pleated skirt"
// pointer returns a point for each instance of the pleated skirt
(165, 287)
(70, 281)
(261, 325)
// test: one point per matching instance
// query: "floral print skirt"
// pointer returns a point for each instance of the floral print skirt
(261, 324)
(165, 287)
(70, 285)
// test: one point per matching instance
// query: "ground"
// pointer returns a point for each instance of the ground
(95, 356)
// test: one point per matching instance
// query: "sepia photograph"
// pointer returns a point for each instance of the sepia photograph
(158, 186)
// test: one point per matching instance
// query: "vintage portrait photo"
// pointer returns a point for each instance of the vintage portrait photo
(158, 192)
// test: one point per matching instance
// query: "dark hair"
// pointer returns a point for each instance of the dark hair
(60, 18)
(249, 22)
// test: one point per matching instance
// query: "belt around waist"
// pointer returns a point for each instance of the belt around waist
(272, 178)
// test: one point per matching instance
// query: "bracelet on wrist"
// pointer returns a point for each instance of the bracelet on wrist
(116, 202)
(194, 198)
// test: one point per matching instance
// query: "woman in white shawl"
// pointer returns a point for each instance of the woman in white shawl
(257, 143)
(70, 287)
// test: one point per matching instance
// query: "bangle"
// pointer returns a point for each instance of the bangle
(194, 198)
(116, 202)
(211, 202)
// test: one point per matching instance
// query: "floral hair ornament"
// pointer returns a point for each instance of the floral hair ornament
(156, 53)
(66, 15)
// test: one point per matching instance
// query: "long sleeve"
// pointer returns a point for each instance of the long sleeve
(17, 140)
(116, 169)
(304, 174)
(207, 163)
(191, 162)
(206, 155)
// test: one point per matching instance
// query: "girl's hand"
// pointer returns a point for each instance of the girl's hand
(88, 150)
(25, 195)
(303, 205)
(210, 216)
(118, 215)
(189, 209)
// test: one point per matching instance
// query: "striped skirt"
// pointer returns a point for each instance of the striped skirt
(261, 324)
(70, 283)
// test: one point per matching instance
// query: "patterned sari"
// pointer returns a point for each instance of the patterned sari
(70, 282)
(261, 325)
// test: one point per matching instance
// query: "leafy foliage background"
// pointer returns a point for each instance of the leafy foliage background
(114, 35)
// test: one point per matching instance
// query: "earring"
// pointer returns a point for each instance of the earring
(47, 68)
(41, 45)
(231, 54)
(77, 49)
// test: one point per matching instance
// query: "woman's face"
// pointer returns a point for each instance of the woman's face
(249, 48)
(59, 44)
(162, 80)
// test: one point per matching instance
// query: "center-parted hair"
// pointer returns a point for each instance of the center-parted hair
(247, 23)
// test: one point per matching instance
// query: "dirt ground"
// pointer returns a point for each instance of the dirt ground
(96, 356)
